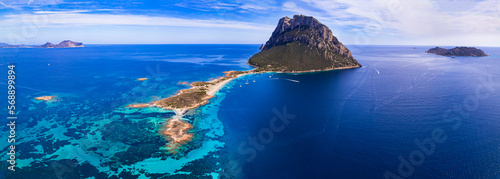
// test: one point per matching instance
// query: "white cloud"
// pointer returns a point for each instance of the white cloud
(74, 18)
(412, 19)
(252, 7)
(259, 6)
(60, 12)
(16, 4)
(418, 17)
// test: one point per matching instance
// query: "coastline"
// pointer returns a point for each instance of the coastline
(328, 69)
(214, 86)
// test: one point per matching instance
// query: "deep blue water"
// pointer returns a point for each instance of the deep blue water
(352, 123)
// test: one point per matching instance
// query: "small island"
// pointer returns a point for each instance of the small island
(177, 134)
(458, 51)
(44, 98)
(63, 44)
(301, 44)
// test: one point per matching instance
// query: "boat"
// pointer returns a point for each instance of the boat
(246, 82)
(254, 80)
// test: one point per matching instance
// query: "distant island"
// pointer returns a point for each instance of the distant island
(458, 51)
(63, 44)
(302, 44)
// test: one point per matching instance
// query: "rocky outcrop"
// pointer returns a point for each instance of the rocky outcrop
(69, 43)
(458, 51)
(303, 44)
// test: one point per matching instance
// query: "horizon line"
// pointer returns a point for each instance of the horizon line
(264, 43)
(443, 45)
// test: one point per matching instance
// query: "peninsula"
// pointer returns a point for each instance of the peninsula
(458, 51)
(301, 44)
(63, 44)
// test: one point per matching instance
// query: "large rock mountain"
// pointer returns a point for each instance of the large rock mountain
(302, 44)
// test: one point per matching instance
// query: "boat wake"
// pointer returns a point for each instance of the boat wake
(292, 80)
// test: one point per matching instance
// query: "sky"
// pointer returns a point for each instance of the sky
(353, 22)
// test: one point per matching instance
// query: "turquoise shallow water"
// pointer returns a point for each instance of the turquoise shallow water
(340, 124)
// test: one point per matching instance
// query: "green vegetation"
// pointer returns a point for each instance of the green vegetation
(296, 56)
(199, 83)
(186, 99)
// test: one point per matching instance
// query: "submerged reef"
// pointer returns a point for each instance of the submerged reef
(302, 43)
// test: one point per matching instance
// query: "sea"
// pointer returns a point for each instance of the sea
(404, 114)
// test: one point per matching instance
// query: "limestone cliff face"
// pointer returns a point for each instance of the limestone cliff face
(302, 44)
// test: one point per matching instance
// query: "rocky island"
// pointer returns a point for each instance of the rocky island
(63, 44)
(458, 51)
(301, 44)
